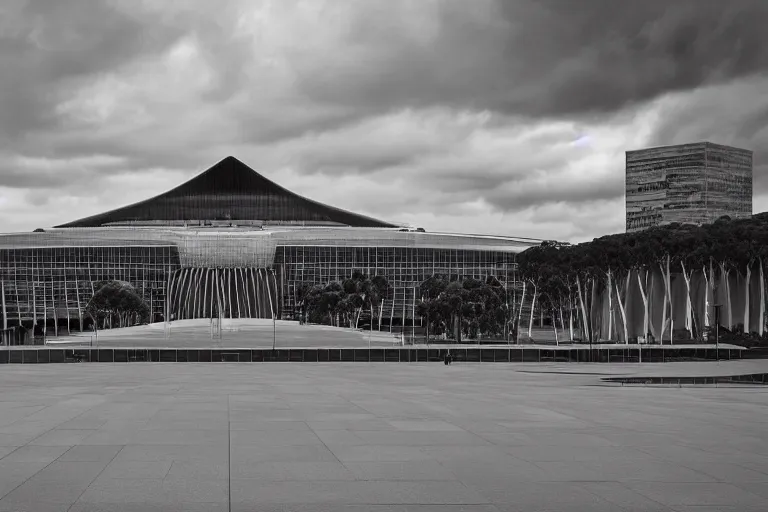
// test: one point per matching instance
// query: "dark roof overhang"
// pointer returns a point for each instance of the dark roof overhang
(229, 191)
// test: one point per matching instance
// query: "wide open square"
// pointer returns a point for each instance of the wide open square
(347, 436)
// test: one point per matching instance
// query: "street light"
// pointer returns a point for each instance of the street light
(95, 322)
(274, 322)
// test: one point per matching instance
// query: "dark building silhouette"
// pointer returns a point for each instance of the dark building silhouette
(228, 191)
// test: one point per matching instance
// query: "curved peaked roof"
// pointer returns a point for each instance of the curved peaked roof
(230, 190)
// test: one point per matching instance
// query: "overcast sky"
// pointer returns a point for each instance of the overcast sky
(480, 116)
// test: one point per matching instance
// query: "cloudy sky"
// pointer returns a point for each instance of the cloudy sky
(481, 116)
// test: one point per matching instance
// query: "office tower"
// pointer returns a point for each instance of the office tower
(688, 184)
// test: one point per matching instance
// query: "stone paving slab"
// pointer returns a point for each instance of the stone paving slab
(382, 438)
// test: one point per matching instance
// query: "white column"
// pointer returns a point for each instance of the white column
(224, 301)
(282, 289)
(184, 293)
(34, 307)
(189, 301)
(79, 308)
(177, 294)
(222, 281)
(269, 296)
(203, 280)
(218, 293)
(168, 292)
(196, 299)
(236, 275)
(173, 284)
(277, 295)
(405, 298)
(53, 308)
(392, 314)
(228, 279)
(413, 311)
(247, 272)
(256, 277)
(66, 299)
(16, 286)
(205, 296)
(5, 311)
(193, 292)
(199, 295)
(45, 309)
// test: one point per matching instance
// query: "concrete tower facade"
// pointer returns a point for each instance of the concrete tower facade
(688, 184)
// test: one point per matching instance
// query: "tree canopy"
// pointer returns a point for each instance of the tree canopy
(344, 302)
(652, 286)
(117, 300)
(463, 306)
(608, 266)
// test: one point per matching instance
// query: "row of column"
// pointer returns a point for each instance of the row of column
(190, 293)
(239, 292)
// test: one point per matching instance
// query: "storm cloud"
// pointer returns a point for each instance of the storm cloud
(539, 57)
(503, 116)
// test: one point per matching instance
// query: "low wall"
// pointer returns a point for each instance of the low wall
(32, 355)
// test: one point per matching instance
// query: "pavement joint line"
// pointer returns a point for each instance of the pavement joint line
(229, 454)
(37, 437)
(96, 477)
(327, 448)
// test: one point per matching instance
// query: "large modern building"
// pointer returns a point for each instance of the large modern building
(689, 184)
(229, 243)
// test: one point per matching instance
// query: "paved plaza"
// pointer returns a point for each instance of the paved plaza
(378, 437)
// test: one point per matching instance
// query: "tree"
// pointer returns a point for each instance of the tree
(301, 297)
(345, 299)
(722, 262)
(531, 267)
(428, 307)
(547, 271)
(689, 250)
(494, 315)
(117, 300)
(377, 291)
(452, 306)
(330, 301)
(464, 306)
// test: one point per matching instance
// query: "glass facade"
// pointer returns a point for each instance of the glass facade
(404, 267)
(48, 283)
(689, 183)
(230, 243)
(52, 285)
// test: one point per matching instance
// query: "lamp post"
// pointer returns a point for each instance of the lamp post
(94, 326)
(274, 322)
